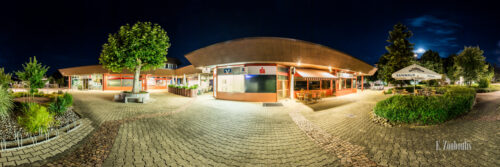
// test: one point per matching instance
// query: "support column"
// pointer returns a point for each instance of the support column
(199, 80)
(292, 83)
(362, 83)
(69, 82)
(215, 82)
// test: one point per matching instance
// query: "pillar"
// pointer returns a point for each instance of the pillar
(199, 80)
(215, 82)
(362, 83)
(69, 82)
(292, 83)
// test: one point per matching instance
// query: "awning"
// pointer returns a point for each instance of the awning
(311, 74)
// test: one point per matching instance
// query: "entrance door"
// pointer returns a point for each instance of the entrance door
(85, 85)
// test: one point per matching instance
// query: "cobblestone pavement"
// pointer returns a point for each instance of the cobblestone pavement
(38, 152)
(208, 132)
(218, 133)
(415, 146)
(99, 106)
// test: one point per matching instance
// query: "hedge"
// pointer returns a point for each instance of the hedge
(427, 109)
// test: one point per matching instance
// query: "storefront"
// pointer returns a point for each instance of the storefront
(267, 69)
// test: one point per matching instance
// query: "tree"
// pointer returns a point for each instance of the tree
(399, 53)
(142, 46)
(449, 68)
(5, 79)
(33, 73)
(432, 61)
(470, 64)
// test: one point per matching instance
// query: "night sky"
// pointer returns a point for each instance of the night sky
(70, 33)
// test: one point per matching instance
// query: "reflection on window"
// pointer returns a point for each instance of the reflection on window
(231, 83)
(115, 82)
(325, 84)
(260, 83)
(313, 85)
(300, 85)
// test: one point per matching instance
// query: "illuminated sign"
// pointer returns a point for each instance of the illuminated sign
(262, 70)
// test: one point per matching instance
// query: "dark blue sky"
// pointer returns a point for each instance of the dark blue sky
(69, 33)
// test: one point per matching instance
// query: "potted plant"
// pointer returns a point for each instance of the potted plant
(193, 90)
(185, 90)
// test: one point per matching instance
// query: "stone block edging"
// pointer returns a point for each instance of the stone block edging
(46, 149)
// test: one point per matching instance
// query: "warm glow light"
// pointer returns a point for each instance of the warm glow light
(330, 68)
(420, 50)
(299, 63)
(416, 55)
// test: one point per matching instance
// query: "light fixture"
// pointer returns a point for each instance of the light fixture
(299, 63)
(330, 68)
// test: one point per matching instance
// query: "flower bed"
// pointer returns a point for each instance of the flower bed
(427, 109)
(31, 115)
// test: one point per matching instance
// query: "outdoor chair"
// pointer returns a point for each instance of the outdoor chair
(316, 96)
(308, 97)
(300, 96)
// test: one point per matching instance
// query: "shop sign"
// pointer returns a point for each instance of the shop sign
(231, 71)
(346, 75)
(205, 70)
(262, 70)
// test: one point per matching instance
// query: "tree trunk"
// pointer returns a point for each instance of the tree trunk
(136, 87)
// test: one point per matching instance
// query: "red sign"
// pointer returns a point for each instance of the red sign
(262, 70)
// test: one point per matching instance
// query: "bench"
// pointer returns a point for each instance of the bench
(139, 99)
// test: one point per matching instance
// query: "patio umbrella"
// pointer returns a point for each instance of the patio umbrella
(184, 80)
(415, 72)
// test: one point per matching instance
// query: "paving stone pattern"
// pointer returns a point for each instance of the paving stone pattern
(35, 153)
(218, 133)
(94, 151)
(415, 146)
(349, 154)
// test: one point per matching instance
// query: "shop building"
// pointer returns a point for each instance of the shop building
(261, 69)
(267, 69)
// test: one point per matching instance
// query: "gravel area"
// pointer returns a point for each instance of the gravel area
(9, 125)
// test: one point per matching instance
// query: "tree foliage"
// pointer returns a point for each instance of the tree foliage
(33, 73)
(5, 78)
(470, 64)
(450, 68)
(432, 61)
(399, 53)
(142, 46)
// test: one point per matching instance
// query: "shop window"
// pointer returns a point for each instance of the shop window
(348, 83)
(114, 82)
(260, 83)
(127, 82)
(231, 83)
(325, 84)
(300, 85)
(313, 85)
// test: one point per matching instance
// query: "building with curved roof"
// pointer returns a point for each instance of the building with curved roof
(263, 69)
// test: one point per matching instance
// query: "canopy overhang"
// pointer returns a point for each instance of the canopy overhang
(415, 72)
(312, 74)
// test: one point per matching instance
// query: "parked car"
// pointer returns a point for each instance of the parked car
(365, 86)
(377, 86)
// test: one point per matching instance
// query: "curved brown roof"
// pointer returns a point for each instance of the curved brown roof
(98, 69)
(277, 50)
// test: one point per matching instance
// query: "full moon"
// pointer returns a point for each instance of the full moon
(420, 50)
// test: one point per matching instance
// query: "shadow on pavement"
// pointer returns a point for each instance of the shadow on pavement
(328, 104)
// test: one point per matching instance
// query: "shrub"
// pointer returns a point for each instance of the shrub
(58, 106)
(427, 109)
(484, 83)
(35, 118)
(194, 86)
(171, 86)
(68, 99)
(6, 103)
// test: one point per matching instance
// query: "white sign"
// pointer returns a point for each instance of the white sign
(346, 75)
(205, 70)
(262, 70)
